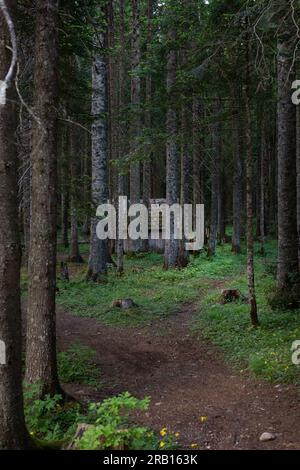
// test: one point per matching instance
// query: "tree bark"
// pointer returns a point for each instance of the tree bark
(215, 180)
(121, 177)
(41, 330)
(135, 177)
(237, 174)
(287, 202)
(198, 190)
(74, 152)
(249, 197)
(298, 179)
(13, 434)
(172, 166)
(98, 248)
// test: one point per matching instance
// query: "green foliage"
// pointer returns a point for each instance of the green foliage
(157, 293)
(112, 427)
(77, 365)
(264, 351)
(49, 419)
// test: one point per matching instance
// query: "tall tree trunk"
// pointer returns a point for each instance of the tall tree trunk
(215, 180)
(98, 248)
(298, 179)
(135, 177)
(198, 190)
(237, 174)
(249, 197)
(263, 173)
(41, 364)
(287, 202)
(172, 258)
(148, 117)
(13, 434)
(64, 187)
(121, 177)
(74, 153)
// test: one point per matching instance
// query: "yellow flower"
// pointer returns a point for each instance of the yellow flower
(177, 434)
(161, 444)
(193, 446)
(163, 432)
(203, 419)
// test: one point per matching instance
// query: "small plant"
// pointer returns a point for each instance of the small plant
(77, 365)
(112, 428)
(49, 419)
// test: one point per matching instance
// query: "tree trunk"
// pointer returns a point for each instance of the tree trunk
(147, 164)
(41, 330)
(249, 199)
(215, 180)
(74, 152)
(13, 434)
(121, 177)
(64, 187)
(172, 187)
(135, 177)
(263, 174)
(198, 190)
(298, 179)
(237, 174)
(287, 202)
(98, 248)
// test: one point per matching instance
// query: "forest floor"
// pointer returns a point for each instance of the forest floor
(202, 364)
(192, 390)
(210, 376)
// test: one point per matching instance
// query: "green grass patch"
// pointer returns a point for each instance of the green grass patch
(77, 365)
(157, 293)
(264, 351)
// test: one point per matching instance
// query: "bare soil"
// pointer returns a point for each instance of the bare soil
(186, 378)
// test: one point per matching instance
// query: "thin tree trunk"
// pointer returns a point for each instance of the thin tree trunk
(147, 164)
(135, 177)
(215, 180)
(249, 199)
(172, 187)
(13, 434)
(198, 190)
(98, 248)
(65, 187)
(121, 177)
(287, 199)
(298, 179)
(41, 366)
(74, 146)
(237, 174)
(263, 169)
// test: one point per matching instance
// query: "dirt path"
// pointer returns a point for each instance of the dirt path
(186, 378)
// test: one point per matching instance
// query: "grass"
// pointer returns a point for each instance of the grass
(157, 293)
(77, 365)
(264, 351)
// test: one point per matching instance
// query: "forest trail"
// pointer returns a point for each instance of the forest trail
(187, 379)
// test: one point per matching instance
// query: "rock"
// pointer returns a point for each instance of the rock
(124, 303)
(267, 436)
(231, 295)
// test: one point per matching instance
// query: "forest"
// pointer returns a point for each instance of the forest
(122, 122)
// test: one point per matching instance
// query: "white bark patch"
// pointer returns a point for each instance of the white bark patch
(2, 353)
(3, 87)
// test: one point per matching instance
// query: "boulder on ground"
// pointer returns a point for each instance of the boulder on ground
(267, 436)
(232, 295)
(124, 303)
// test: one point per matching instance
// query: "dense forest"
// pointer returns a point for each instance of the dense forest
(132, 344)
